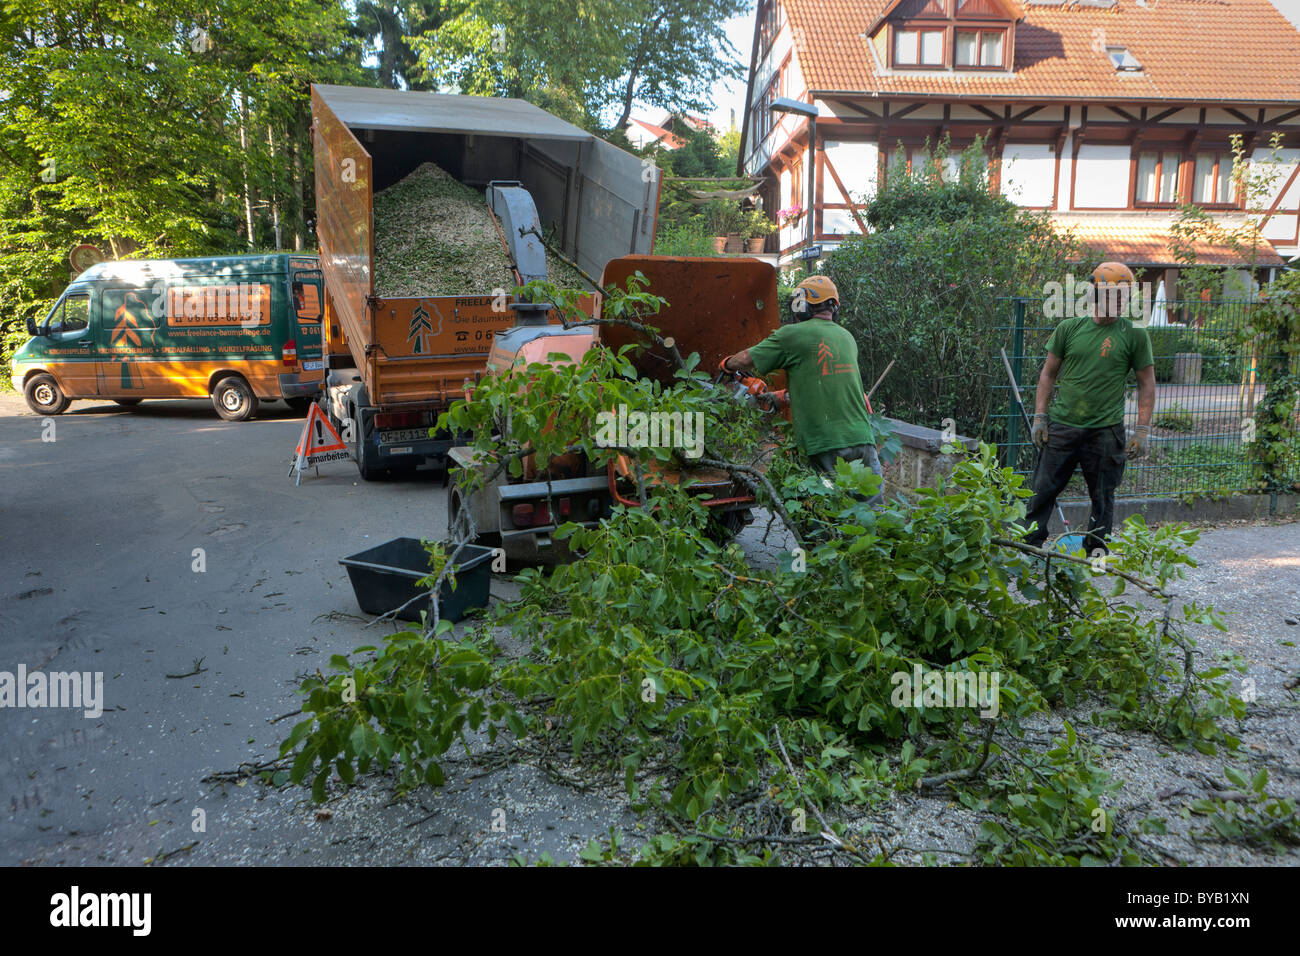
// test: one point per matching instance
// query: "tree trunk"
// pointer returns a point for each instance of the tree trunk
(300, 201)
(627, 98)
(275, 192)
(243, 147)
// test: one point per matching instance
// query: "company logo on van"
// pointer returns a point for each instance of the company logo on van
(126, 322)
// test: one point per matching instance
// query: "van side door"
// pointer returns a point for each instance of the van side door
(71, 350)
(126, 344)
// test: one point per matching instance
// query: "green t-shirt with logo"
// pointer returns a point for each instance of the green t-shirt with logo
(1095, 362)
(820, 360)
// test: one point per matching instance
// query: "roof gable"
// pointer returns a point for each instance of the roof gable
(942, 10)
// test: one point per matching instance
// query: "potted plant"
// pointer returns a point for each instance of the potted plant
(789, 214)
(757, 228)
(723, 218)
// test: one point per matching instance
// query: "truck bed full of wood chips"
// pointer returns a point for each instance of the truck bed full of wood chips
(434, 236)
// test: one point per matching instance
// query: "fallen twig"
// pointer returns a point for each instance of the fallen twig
(198, 669)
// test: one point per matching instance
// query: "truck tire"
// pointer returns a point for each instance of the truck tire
(365, 459)
(44, 396)
(234, 400)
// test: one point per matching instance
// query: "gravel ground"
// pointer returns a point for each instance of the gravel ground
(1250, 572)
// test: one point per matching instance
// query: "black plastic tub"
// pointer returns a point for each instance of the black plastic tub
(383, 578)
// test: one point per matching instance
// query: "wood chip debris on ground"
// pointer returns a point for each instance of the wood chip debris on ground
(434, 236)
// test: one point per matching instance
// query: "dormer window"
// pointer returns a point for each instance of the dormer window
(1124, 61)
(945, 34)
(979, 48)
(918, 47)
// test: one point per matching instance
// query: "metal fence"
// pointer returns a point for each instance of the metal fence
(1208, 385)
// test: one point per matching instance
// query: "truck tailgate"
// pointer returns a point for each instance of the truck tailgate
(423, 346)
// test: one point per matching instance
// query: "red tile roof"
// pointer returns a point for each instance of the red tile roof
(1143, 240)
(661, 135)
(1199, 50)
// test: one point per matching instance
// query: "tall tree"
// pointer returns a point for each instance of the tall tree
(588, 61)
(676, 50)
(385, 27)
(120, 125)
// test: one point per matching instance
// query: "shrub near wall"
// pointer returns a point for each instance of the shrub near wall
(933, 296)
(930, 286)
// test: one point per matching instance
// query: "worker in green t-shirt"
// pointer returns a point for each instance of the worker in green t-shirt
(1089, 358)
(820, 358)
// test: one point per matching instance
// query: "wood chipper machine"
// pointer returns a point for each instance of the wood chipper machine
(715, 307)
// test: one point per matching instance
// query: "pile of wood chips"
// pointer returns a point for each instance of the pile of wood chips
(434, 236)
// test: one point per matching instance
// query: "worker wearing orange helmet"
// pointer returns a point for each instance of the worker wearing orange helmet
(1089, 358)
(820, 358)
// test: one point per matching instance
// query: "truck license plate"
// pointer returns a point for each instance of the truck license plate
(311, 366)
(403, 434)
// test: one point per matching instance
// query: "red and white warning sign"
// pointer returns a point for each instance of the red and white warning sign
(319, 442)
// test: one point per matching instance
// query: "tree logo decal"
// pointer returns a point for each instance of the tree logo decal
(824, 356)
(422, 330)
(124, 331)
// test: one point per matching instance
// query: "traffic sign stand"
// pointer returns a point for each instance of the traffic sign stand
(319, 442)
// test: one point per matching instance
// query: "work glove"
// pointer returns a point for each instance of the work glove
(1039, 433)
(1138, 441)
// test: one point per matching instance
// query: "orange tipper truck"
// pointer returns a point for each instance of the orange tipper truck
(237, 329)
(394, 363)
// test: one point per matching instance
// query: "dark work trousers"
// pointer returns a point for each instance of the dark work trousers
(1099, 454)
(825, 462)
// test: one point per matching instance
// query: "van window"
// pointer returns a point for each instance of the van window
(306, 300)
(76, 313)
(71, 314)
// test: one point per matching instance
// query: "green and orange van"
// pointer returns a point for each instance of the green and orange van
(238, 329)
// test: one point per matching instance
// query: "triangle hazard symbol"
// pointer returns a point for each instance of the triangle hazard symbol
(318, 435)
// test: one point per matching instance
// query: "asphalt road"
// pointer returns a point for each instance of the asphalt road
(101, 527)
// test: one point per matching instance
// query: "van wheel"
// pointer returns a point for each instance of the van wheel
(127, 402)
(234, 400)
(44, 396)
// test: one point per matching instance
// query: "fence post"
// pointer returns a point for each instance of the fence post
(1012, 456)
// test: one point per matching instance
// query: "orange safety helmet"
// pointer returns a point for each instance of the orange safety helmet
(818, 290)
(1112, 281)
(1112, 273)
